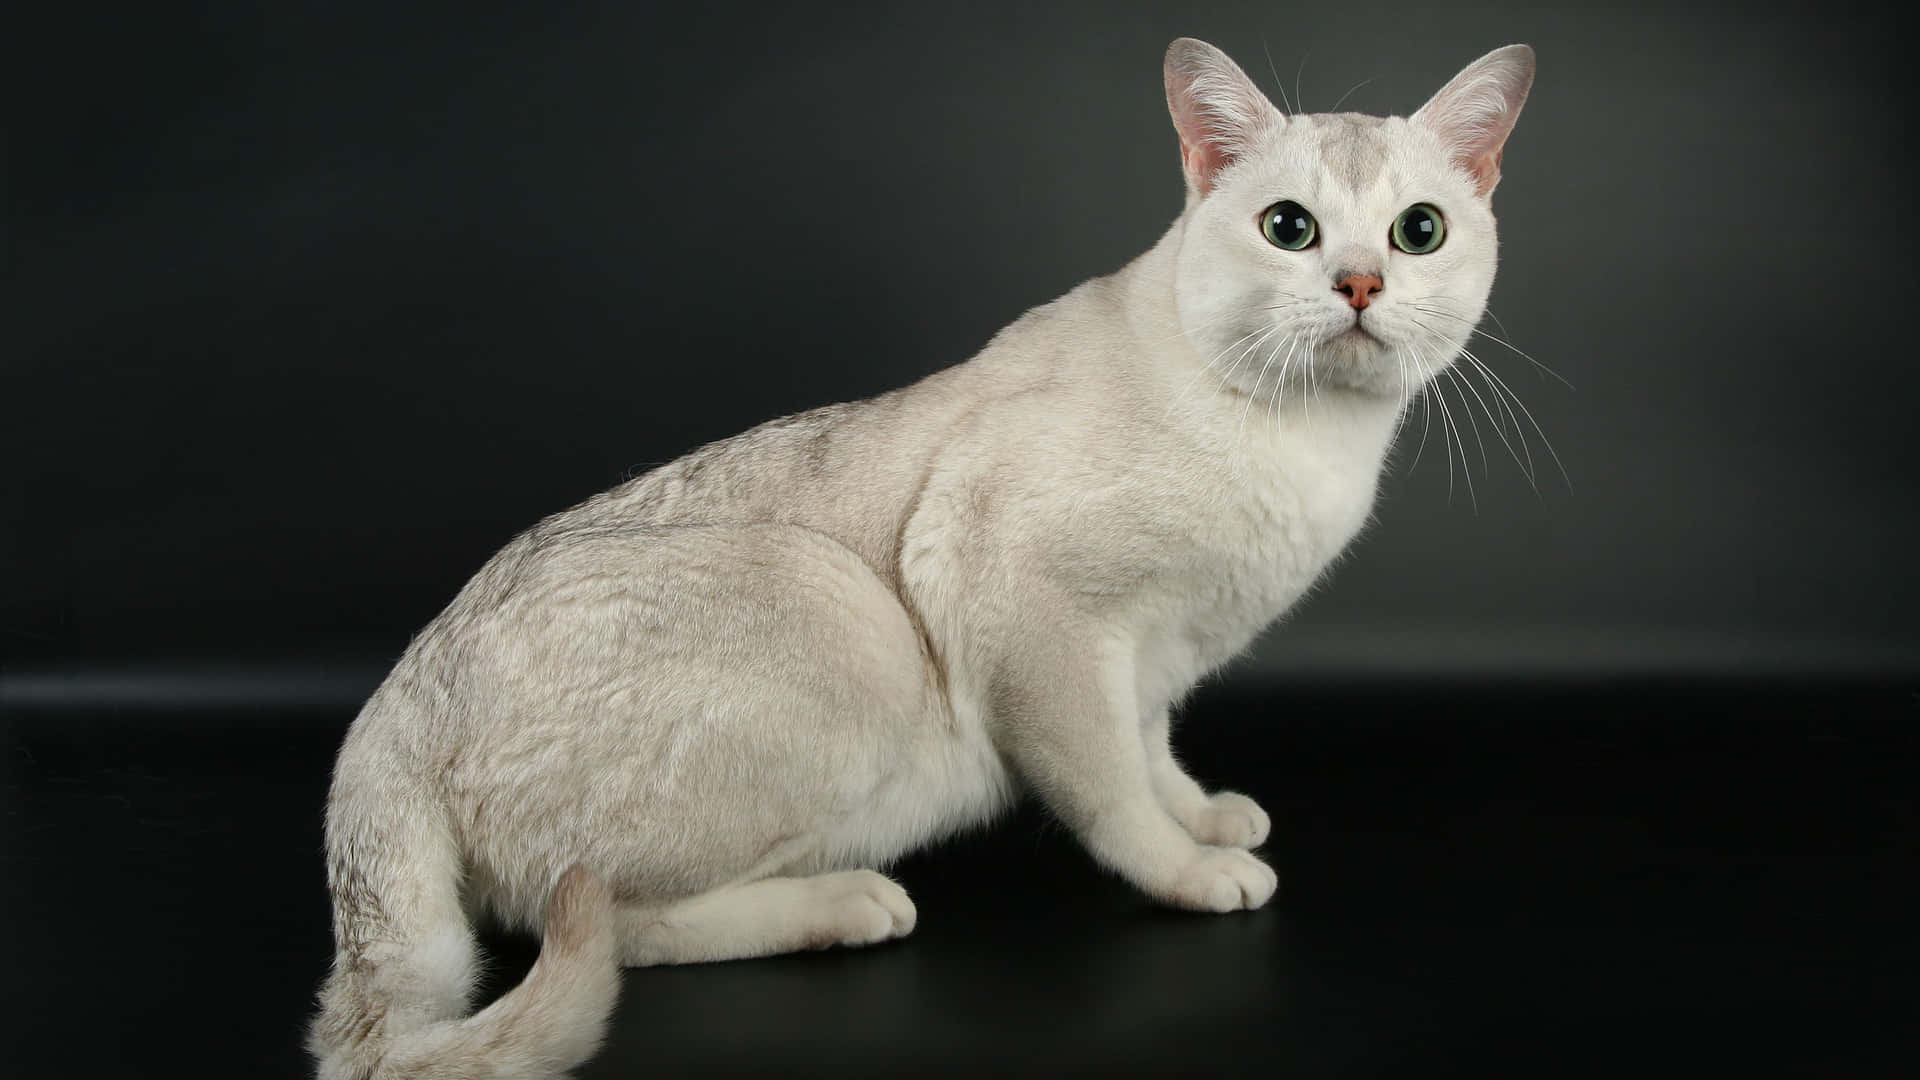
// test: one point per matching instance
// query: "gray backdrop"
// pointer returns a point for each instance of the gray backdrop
(314, 309)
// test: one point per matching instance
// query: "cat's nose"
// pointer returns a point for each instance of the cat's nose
(1359, 289)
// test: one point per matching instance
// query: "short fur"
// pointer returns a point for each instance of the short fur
(687, 719)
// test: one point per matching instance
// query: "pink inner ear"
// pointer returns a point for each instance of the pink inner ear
(1475, 112)
(1200, 156)
(1201, 162)
(1485, 170)
(1216, 109)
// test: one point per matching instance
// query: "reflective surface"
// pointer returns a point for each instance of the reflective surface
(1575, 881)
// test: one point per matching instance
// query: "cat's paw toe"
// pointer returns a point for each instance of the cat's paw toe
(869, 908)
(1231, 820)
(1224, 879)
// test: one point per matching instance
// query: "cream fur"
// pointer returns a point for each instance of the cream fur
(728, 691)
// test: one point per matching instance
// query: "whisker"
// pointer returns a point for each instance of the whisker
(1492, 417)
(1449, 434)
(1496, 339)
(1313, 377)
(1240, 434)
(1527, 466)
(1498, 323)
(1446, 416)
(1280, 381)
(1502, 388)
(1544, 441)
(1523, 354)
(1408, 393)
(1279, 386)
(1247, 353)
(1306, 399)
(1277, 84)
(1225, 316)
(1400, 418)
(1426, 422)
(1192, 380)
(1240, 458)
(1466, 408)
(1348, 94)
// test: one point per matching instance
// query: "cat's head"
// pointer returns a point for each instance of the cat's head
(1357, 249)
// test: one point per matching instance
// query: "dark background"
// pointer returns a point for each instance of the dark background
(310, 307)
(314, 306)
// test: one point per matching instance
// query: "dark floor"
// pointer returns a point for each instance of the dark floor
(1572, 881)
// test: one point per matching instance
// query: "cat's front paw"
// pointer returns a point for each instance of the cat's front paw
(863, 908)
(1224, 879)
(1230, 819)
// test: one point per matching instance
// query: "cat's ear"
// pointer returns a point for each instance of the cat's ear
(1474, 114)
(1217, 110)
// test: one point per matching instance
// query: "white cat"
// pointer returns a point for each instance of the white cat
(688, 718)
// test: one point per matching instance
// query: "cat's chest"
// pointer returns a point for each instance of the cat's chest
(1264, 534)
(1252, 539)
(1200, 533)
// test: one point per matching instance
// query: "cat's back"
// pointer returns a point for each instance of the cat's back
(852, 471)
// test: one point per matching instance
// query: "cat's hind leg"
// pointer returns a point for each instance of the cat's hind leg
(766, 917)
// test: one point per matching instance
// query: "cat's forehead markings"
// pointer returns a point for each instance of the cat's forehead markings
(1352, 147)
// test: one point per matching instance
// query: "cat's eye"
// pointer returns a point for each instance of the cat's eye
(1419, 229)
(1289, 226)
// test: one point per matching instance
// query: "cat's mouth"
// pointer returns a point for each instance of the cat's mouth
(1357, 335)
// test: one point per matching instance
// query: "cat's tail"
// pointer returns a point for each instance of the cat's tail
(393, 1006)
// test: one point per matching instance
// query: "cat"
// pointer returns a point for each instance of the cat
(689, 719)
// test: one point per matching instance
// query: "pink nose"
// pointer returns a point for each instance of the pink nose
(1359, 289)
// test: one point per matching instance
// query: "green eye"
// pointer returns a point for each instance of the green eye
(1289, 226)
(1418, 229)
